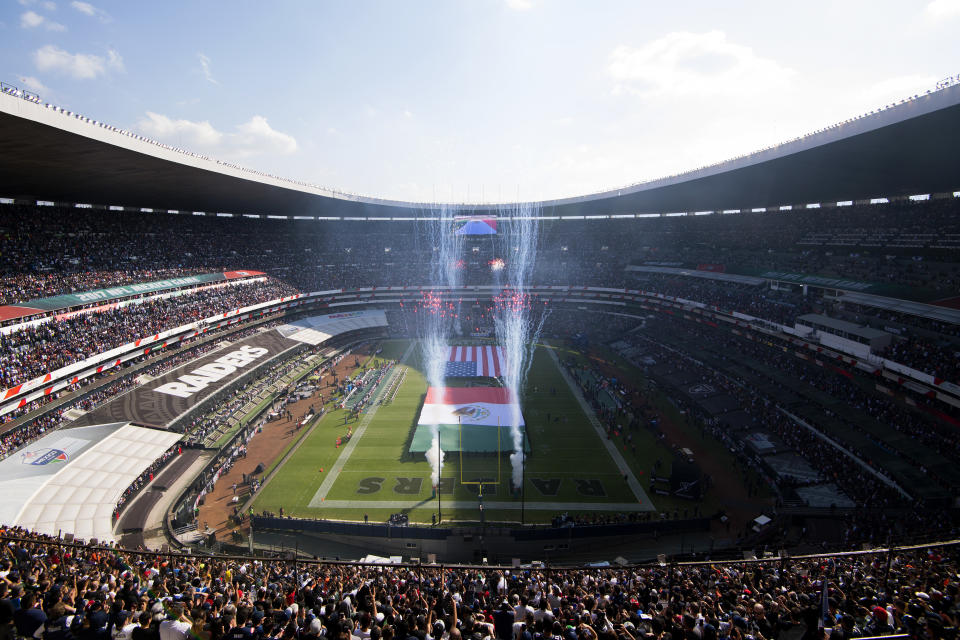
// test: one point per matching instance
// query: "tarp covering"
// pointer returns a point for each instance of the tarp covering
(317, 329)
(28, 469)
(81, 496)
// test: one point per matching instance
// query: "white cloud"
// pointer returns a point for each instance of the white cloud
(205, 67)
(942, 9)
(690, 64)
(88, 9)
(84, 7)
(114, 61)
(897, 88)
(257, 136)
(33, 84)
(252, 138)
(81, 66)
(519, 5)
(31, 20)
(47, 4)
(407, 113)
(200, 135)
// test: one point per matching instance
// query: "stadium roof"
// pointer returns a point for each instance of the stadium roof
(909, 148)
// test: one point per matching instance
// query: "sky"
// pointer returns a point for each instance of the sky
(476, 100)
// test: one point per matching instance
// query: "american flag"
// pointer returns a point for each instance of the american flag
(475, 362)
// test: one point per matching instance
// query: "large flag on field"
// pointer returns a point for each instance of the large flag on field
(475, 362)
(468, 406)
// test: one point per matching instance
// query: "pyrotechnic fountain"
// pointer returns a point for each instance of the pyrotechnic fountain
(438, 318)
(517, 332)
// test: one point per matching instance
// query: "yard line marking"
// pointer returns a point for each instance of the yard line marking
(611, 448)
(557, 507)
(327, 484)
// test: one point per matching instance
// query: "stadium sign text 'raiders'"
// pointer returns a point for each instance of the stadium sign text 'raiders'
(201, 377)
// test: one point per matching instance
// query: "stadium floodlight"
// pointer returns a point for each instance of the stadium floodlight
(879, 201)
(920, 197)
(758, 210)
(845, 203)
(813, 205)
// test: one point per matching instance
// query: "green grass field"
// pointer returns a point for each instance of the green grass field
(569, 467)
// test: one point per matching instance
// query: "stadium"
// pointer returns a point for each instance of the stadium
(722, 403)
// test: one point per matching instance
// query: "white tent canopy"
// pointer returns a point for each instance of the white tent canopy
(81, 497)
(317, 329)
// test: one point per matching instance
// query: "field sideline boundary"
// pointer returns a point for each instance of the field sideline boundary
(331, 477)
(622, 465)
(557, 507)
(289, 454)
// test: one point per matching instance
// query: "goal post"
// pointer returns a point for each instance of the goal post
(481, 482)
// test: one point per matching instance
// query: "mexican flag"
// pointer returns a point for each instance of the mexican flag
(489, 406)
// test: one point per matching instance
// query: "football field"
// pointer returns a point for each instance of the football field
(570, 467)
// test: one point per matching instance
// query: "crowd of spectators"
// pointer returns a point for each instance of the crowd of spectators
(33, 351)
(778, 306)
(42, 255)
(941, 361)
(30, 430)
(365, 385)
(49, 250)
(54, 591)
(21, 287)
(831, 464)
(920, 426)
(882, 513)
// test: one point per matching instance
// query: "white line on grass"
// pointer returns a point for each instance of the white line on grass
(622, 465)
(556, 507)
(327, 484)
